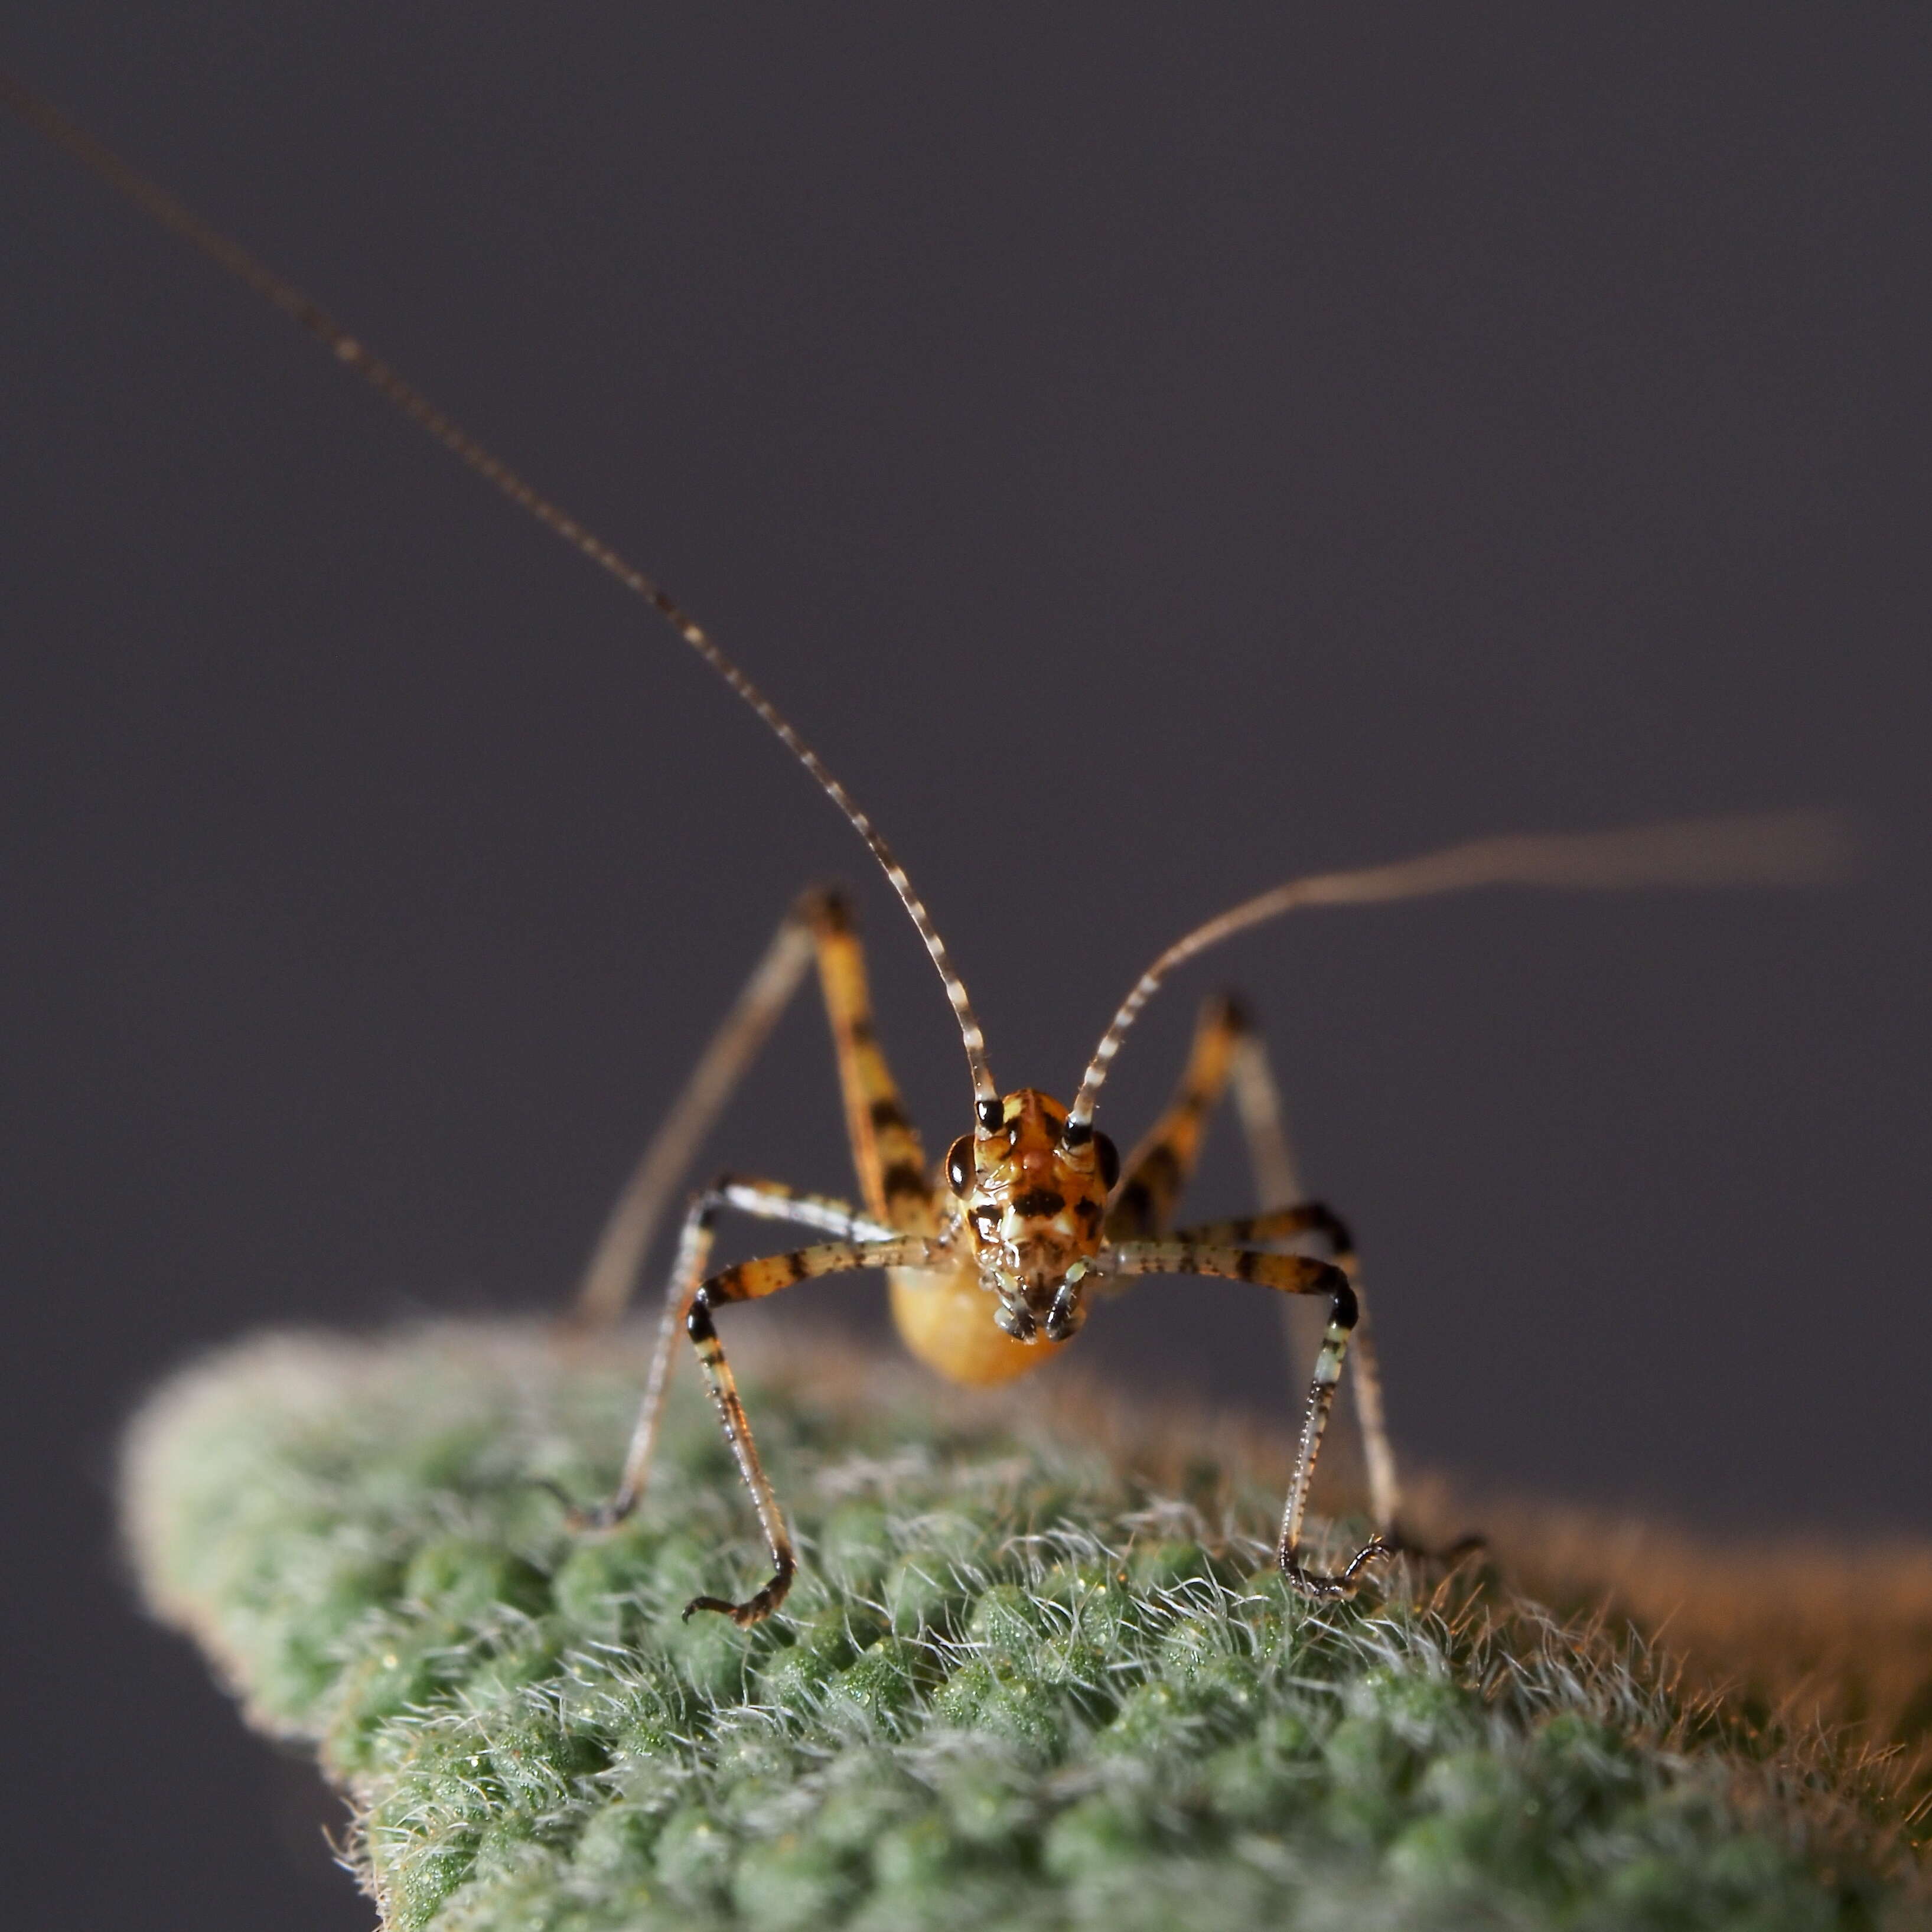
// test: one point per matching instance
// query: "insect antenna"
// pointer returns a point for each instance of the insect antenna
(1787, 848)
(179, 219)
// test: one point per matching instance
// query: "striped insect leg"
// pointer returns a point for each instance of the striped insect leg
(1261, 1232)
(1365, 1380)
(751, 1281)
(1364, 1374)
(885, 1148)
(611, 1276)
(1159, 1168)
(764, 1200)
(1289, 1274)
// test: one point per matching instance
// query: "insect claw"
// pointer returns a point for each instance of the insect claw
(1369, 1552)
(1313, 1583)
(753, 1610)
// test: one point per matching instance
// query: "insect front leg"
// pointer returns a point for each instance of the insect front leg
(751, 1281)
(1228, 1052)
(1290, 1274)
(764, 1200)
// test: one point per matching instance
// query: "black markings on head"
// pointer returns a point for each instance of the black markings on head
(1038, 1204)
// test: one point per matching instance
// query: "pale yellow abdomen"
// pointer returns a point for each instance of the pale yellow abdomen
(946, 1318)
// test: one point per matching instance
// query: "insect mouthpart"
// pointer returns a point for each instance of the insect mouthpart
(1042, 1303)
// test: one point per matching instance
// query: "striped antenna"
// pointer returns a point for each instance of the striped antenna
(157, 203)
(1788, 848)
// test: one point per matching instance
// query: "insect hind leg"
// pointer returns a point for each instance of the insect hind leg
(1289, 1274)
(886, 1149)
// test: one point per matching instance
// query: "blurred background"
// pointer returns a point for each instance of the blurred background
(1149, 456)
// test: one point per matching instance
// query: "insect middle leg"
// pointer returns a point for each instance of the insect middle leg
(751, 1281)
(1292, 1274)
(764, 1200)
(1228, 1051)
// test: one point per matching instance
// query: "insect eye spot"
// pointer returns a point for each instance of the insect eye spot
(959, 1164)
(1109, 1157)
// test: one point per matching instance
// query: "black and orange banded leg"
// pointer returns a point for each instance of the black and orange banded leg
(1258, 1101)
(1285, 1224)
(1290, 1274)
(751, 1281)
(1261, 1231)
(1154, 1175)
(1227, 1053)
(885, 1149)
(763, 1200)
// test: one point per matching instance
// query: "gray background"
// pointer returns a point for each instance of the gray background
(1149, 458)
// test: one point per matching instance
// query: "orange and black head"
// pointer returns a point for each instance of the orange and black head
(1032, 1203)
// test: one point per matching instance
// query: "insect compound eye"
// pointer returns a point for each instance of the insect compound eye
(959, 1164)
(1109, 1157)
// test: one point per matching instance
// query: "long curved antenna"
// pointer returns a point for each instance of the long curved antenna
(1785, 848)
(162, 207)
